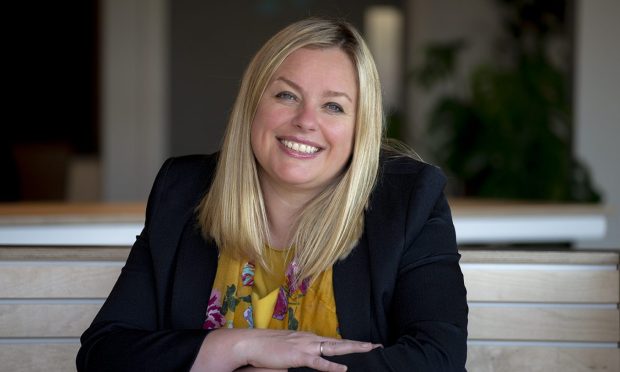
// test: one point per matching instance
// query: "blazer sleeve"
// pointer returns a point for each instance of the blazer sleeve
(126, 334)
(430, 306)
(428, 315)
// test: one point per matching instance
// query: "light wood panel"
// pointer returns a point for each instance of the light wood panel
(38, 357)
(541, 359)
(74, 280)
(460, 207)
(46, 320)
(550, 324)
(63, 254)
(544, 323)
(536, 256)
(468, 255)
(54, 212)
(61, 358)
(495, 207)
(551, 285)
(70, 280)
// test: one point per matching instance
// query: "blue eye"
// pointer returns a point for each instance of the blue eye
(288, 96)
(334, 107)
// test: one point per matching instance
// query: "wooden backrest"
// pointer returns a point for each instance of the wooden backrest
(529, 311)
(542, 311)
(48, 297)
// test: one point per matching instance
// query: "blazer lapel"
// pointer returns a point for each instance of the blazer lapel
(194, 273)
(166, 228)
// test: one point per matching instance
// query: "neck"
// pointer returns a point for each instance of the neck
(283, 206)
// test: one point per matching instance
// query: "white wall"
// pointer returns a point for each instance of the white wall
(134, 96)
(384, 31)
(597, 103)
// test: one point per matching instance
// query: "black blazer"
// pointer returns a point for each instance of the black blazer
(401, 286)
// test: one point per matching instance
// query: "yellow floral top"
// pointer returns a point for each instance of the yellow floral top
(247, 296)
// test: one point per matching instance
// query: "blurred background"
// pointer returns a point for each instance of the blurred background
(514, 99)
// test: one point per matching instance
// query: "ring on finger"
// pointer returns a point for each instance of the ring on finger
(321, 348)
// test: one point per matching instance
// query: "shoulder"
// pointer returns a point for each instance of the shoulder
(408, 194)
(189, 171)
(188, 166)
(181, 183)
(403, 173)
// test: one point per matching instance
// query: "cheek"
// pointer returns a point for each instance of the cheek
(342, 138)
(268, 118)
(260, 127)
(254, 134)
(257, 123)
(257, 135)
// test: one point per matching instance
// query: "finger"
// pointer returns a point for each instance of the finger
(320, 364)
(331, 348)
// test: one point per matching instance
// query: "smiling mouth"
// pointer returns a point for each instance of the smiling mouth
(299, 147)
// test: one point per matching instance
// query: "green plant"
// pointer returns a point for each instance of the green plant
(510, 135)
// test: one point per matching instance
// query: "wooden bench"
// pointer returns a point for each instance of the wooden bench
(529, 310)
(542, 311)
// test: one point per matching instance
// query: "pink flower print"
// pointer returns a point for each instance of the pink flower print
(291, 275)
(279, 312)
(303, 288)
(247, 274)
(214, 319)
(291, 279)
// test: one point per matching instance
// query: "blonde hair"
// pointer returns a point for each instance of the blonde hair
(233, 211)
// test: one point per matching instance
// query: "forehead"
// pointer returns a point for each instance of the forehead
(326, 68)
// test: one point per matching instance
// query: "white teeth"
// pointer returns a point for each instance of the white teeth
(300, 147)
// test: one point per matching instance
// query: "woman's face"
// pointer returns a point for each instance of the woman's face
(302, 134)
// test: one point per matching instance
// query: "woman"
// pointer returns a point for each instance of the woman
(301, 244)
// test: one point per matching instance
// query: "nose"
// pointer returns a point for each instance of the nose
(306, 118)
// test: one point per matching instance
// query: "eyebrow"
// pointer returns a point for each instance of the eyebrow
(329, 93)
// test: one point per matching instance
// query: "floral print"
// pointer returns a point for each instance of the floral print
(299, 305)
(248, 316)
(214, 319)
(291, 275)
(280, 310)
(289, 291)
(231, 300)
(247, 274)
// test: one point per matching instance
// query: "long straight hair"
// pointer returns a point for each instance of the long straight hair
(233, 211)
